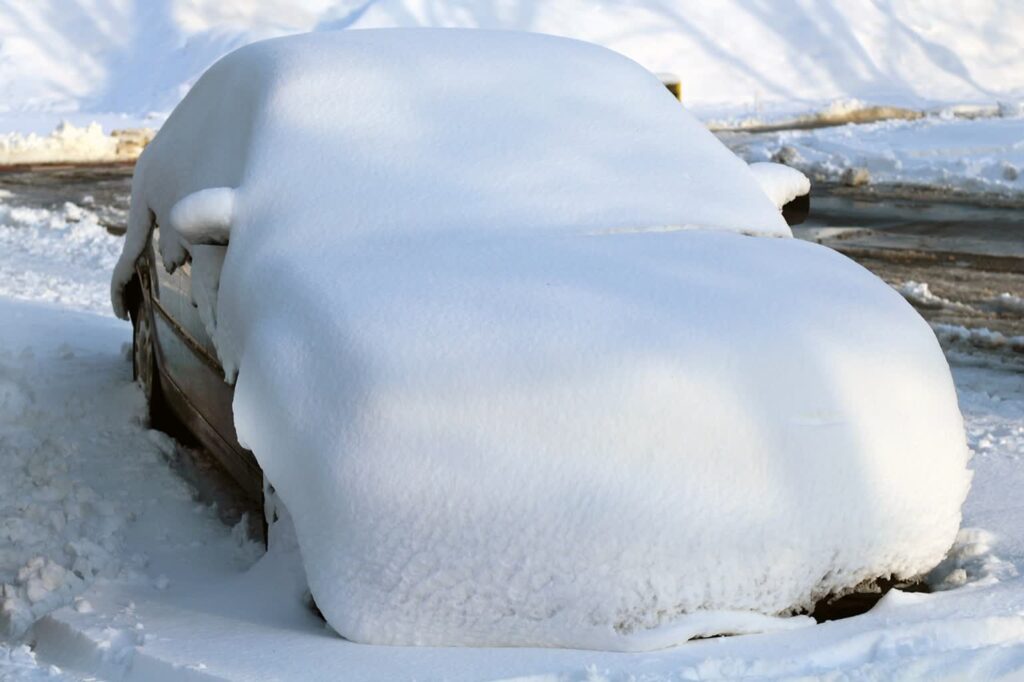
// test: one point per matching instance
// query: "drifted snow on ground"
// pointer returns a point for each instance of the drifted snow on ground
(175, 600)
(938, 152)
(87, 496)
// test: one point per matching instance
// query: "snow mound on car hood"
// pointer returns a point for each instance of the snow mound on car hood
(512, 371)
(593, 440)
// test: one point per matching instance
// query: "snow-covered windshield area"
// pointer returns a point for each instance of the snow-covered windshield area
(505, 350)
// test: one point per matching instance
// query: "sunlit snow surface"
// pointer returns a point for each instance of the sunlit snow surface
(179, 603)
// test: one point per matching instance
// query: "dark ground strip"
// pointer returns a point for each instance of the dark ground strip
(967, 254)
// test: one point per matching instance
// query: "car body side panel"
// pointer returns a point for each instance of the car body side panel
(190, 376)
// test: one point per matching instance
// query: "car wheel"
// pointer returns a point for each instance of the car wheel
(144, 369)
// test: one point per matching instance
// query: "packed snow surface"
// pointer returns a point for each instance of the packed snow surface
(117, 62)
(518, 375)
(781, 183)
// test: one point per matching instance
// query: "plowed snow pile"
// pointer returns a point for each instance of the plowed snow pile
(520, 375)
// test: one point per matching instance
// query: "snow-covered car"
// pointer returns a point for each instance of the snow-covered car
(529, 356)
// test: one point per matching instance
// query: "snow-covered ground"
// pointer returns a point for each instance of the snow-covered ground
(126, 576)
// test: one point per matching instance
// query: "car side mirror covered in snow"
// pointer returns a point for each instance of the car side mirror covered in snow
(204, 217)
(788, 188)
(797, 210)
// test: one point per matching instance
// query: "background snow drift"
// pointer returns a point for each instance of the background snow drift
(121, 60)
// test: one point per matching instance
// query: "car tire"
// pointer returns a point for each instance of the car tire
(144, 368)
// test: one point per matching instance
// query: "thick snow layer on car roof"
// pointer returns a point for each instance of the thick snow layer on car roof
(503, 356)
(410, 130)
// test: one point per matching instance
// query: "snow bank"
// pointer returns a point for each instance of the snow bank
(781, 183)
(66, 142)
(71, 144)
(80, 56)
(516, 373)
(984, 155)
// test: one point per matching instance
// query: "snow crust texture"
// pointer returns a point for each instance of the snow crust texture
(517, 374)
